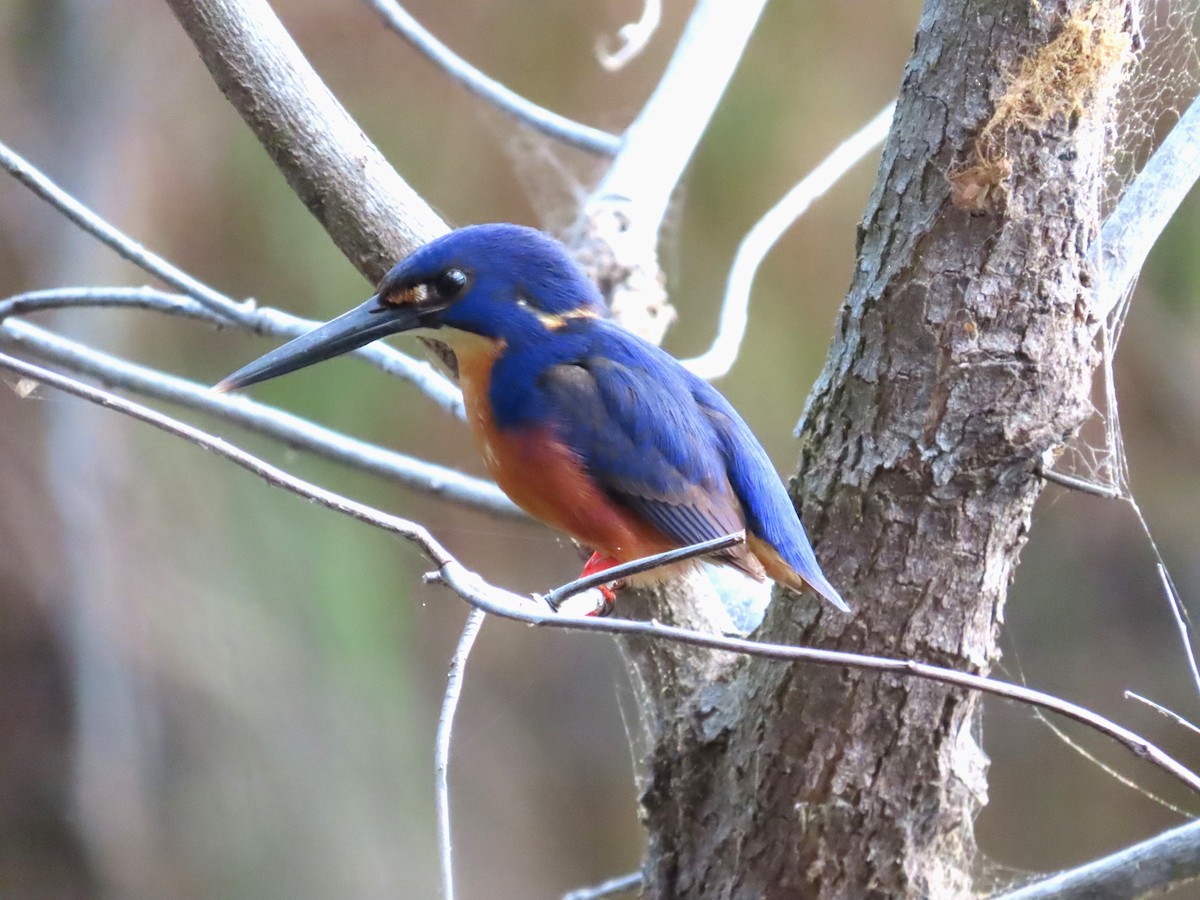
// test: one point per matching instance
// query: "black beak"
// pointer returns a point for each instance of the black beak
(349, 331)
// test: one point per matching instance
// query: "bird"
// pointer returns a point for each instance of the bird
(584, 425)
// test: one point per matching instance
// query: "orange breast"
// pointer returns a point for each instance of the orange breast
(545, 478)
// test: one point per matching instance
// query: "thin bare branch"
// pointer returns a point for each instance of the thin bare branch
(263, 320)
(143, 298)
(146, 298)
(1163, 711)
(662, 139)
(441, 758)
(495, 93)
(478, 592)
(292, 430)
(623, 885)
(706, 548)
(1174, 601)
(616, 235)
(1145, 208)
(369, 211)
(1111, 771)
(26, 173)
(1108, 492)
(1170, 860)
(1181, 620)
(633, 38)
(718, 359)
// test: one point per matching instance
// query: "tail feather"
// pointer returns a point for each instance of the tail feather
(784, 574)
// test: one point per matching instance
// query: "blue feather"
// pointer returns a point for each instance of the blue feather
(651, 436)
(658, 439)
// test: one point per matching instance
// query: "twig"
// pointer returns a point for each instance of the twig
(1079, 484)
(146, 298)
(1178, 610)
(718, 359)
(1181, 622)
(498, 601)
(292, 430)
(1164, 711)
(557, 596)
(665, 133)
(246, 315)
(1167, 861)
(623, 884)
(633, 36)
(26, 173)
(481, 85)
(1145, 208)
(441, 761)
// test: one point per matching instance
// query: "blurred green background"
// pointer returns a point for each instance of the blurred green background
(211, 689)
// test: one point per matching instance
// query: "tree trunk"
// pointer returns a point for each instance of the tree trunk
(963, 357)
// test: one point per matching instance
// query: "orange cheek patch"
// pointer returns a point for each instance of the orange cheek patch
(406, 297)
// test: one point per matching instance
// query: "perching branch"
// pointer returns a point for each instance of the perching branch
(471, 587)
(705, 548)
(481, 85)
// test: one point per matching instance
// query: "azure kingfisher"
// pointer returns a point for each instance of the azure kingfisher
(586, 426)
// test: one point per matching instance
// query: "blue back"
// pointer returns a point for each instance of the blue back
(658, 439)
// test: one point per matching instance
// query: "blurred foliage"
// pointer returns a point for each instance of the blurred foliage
(276, 669)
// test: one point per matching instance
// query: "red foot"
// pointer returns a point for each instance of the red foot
(598, 563)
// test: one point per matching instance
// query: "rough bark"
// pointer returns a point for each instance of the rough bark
(962, 357)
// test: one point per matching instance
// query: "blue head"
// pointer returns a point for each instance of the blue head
(500, 282)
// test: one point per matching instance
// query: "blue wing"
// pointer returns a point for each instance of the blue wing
(644, 440)
(769, 512)
(660, 441)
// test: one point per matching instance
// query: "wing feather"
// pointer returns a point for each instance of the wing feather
(650, 447)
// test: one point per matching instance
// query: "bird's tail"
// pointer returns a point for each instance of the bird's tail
(779, 570)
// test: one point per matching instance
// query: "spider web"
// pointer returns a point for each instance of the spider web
(1161, 77)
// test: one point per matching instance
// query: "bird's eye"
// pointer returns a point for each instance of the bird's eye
(450, 283)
